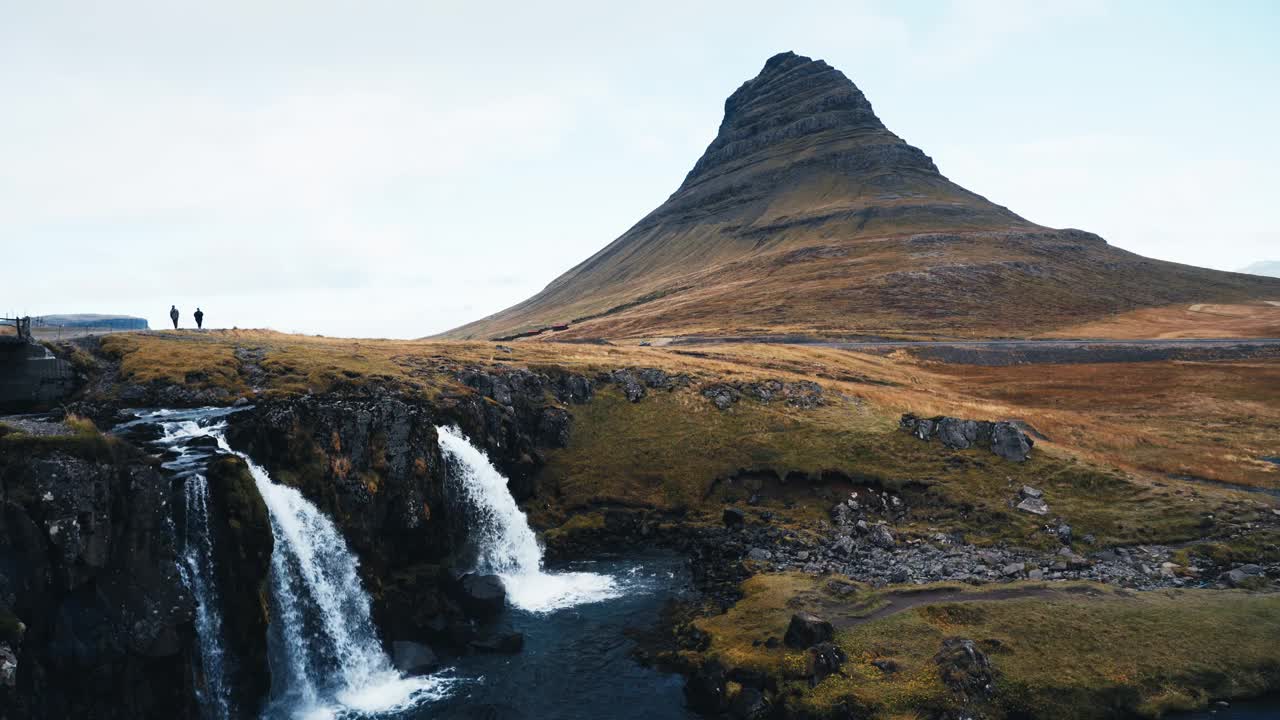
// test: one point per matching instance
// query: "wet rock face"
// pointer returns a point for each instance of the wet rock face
(88, 572)
(374, 466)
(242, 543)
(1002, 438)
(482, 596)
(413, 658)
(516, 415)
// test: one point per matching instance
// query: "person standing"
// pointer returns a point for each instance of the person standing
(173, 315)
(199, 315)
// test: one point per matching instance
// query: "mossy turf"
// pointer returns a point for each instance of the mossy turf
(1066, 650)
(676, 451)
(83, 440)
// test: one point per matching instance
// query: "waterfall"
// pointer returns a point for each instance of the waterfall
(505, 544)
(195, 547)
(326, 659)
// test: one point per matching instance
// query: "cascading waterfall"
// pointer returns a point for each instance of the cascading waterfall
(505, 544)
(196, 550)
(326, 660)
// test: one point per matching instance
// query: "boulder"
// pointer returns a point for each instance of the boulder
(824, 659)
(957, 434)
(807, 630)
(1035, 506)
(749, 704)
(482, 596)
(733, 517)
(722, 396)
(705, 691)
(759, 555)
(964, 668)
(882, 537)
(1029, 492)
(413, 658)
(1009, 442)
(8, 666)
(499, 642)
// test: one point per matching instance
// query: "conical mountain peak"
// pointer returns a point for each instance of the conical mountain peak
(807, 216)
(793, 100)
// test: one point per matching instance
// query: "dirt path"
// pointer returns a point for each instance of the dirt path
(900, 601)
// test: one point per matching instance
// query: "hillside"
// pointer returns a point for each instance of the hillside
(806, 215)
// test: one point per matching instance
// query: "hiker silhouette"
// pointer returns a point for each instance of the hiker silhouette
(199, 315)
(173, 315)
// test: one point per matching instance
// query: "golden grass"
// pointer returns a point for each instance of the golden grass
(667, 451)
(1213, 420)
(1195, 320)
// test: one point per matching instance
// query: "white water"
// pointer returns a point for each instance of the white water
(196, 547)
(506, 545)
(326, 660)
(332, 661)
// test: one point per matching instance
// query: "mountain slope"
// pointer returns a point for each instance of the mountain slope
(806, 215)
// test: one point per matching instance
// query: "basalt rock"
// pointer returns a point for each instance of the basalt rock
(1002, 438)
(413, 658)
(965, 668)
(807, 630)
(705, 689)
(505, 643)
(514, 418)
(243, 543)
(824, 659)
(374, 466)
(635, 382)
(802, 394)
(89, 574)
(482, 596)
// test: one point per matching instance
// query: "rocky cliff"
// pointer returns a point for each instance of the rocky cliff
(92, 609)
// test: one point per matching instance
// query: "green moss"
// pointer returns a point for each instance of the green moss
(83, 441)
(1262, 546)
(236, 496)
(677, 450)
(11, 628)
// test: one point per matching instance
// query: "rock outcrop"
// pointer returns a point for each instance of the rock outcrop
(1002, 438)
(243, 543)
(94, 618)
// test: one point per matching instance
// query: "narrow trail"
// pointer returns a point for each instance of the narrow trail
(900, 601)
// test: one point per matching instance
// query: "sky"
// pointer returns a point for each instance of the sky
(395, 169)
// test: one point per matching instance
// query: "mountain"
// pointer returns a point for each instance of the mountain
(1269, 268)
(806, 215)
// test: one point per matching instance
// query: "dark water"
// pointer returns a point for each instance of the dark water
(1256, 710)
(576, 662)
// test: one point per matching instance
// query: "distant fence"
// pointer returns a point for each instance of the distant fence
(21, 326)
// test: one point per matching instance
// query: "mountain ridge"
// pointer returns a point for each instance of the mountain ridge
(807, 215)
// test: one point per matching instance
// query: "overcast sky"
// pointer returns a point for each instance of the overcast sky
(398, 168)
